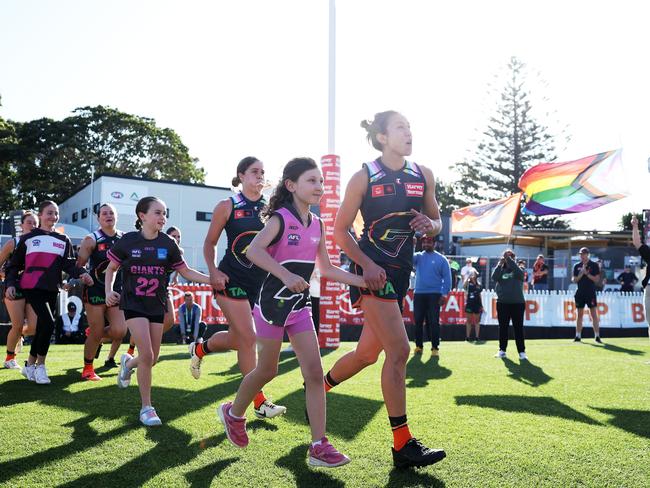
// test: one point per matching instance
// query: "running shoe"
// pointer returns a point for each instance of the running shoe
(577, 339)
(110, 363)
(597, 339)
(235, 426)
(28, 371)
(89, 374)
(40, 375)
(195, 361)
(124, 375)
(325, 455)
(415, 454)
(501, 354)
(12, 364)
(523, 356)
(417, 350)
(149, 417)
(268, 410)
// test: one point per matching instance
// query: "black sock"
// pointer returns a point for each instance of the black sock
(204, 346)
(330, 381)
(88, 361)
(397, 421)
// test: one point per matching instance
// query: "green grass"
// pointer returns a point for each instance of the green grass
(576, 415)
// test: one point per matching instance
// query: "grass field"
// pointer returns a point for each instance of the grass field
(575, 415)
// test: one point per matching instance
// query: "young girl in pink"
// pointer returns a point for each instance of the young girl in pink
(287, 248)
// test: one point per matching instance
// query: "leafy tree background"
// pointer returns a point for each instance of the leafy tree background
(513, 141)
(50, 159)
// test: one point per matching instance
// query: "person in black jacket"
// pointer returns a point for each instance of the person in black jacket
(511, 305)
(644, 251)
(42, 256)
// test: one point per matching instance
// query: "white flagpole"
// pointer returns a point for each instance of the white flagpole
(331, 113)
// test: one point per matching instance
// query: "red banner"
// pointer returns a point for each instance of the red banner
(329, 329)
(451, 313)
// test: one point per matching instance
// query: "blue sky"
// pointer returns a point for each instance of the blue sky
(240, 78)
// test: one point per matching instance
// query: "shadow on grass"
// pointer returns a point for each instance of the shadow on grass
(203, 477)
(109, 402)
(418, 373)
(635, 422)
(347, 415)
(526, 373)
(543, 406)
(411, 477)
(613, 348)
(306, 477)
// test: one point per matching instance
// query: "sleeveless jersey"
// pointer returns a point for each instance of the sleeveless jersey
(98, 260)
(387, 238)
(242, 226)
(295, 248)
(3, 268)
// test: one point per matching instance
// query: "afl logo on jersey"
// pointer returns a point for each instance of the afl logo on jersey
(414, 189)
(293, 239)
(242, 214)
(383, 190)
(117, 195)
(136, 253)
(36, 242)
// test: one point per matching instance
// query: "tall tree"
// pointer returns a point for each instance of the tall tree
(54, 158)
(8, 141)
(513, 141)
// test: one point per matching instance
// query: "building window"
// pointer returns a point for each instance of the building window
(84, 213)
(204, 216)
(96, 208)
(75, 216)
(167, 213)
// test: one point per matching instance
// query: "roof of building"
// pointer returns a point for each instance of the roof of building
(137, 178)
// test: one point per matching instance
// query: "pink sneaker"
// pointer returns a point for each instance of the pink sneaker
(235, 427)
(325, 455)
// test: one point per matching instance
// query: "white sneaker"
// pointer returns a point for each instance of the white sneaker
(12, 364)
(149, 417)
(522, 356)
(40, 375)
(268, 410)
(195, 362)
(28, 372)
(501, 354)
(124, 375)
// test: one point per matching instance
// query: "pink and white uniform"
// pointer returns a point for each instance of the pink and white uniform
(295, 248)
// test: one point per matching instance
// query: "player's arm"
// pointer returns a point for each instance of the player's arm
(428, 221)
(85, 250)
(220, 216)
(334, 273)
(374, 275)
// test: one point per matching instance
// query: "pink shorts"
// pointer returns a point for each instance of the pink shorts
(301, 323)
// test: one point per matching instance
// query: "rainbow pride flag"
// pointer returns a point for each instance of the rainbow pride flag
(574, 186)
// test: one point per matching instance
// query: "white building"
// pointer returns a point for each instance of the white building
(189, 208)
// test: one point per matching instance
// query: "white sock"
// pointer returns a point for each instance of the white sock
(317, 443)
(234, 416)
(577, 334)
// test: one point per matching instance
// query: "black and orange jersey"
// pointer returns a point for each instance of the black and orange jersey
(242, 226)
(98, 260)
(387, 238)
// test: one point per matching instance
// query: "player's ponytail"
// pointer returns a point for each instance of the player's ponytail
(281, 195)
(143, 207)
(243, 165)
(377, 126)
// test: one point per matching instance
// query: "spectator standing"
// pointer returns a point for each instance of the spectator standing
(189, 317)
(455, 268)
(627, 279)
(473, 306)
(522, 264)
(540, 274)
(587, 275)
(602, 277)
(466, 271)
(511, 304)
(432, 284)
(644, 251)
